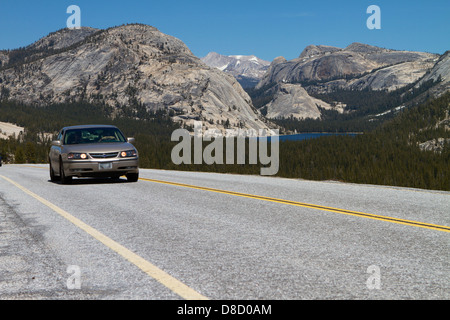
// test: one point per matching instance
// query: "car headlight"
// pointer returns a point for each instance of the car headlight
(128, 154)
(81, 156)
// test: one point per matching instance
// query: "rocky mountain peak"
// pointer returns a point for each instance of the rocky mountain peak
(363, 48)
(439, 72)
(323, 69)
(278, 60)
(313, 50)
(293, 100)
(247, 69)
(145, 35)
(62, 38)
(351, 68)
(134, 66)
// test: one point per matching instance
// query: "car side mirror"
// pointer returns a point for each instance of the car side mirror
(131, 140)
(56, 143)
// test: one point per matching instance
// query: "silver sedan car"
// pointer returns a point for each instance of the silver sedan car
(93, 151)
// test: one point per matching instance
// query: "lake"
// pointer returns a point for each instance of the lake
(306, 136)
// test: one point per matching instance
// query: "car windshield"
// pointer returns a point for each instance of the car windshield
(93, 135)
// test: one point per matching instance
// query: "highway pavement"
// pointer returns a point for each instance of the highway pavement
(190, 235)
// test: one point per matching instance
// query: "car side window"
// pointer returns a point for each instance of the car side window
(59, 138)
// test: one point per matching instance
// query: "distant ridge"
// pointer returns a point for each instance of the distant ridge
(248, 70)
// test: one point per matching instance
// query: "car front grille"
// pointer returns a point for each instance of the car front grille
(104, 155)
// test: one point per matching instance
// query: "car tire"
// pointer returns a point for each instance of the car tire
(53, 177)
(64, 179)
(132, 177)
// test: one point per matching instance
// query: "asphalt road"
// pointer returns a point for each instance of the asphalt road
(206, 236)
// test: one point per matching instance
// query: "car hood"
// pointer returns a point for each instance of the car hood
(98, 147)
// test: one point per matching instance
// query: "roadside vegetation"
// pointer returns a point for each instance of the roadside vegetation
(388, 154)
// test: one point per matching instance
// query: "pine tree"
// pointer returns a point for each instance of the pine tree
(19, 156)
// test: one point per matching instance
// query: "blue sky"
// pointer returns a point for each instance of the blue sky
(267, 29)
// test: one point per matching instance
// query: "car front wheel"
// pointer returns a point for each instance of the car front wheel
(64, 179)
(53, 177)
(133, 177)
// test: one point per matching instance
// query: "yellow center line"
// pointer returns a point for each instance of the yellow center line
(311, 206)
(162, 277)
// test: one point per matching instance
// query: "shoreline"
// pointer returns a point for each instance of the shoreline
(335, 133)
